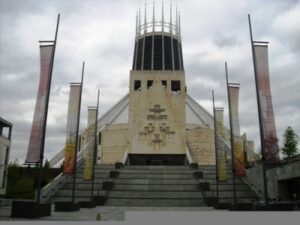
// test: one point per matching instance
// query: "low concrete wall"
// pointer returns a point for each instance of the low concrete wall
(114, 143)
(281, 172)
(200, 142)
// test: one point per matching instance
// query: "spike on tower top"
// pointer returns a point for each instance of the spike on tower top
(169, 26)
(158, 41)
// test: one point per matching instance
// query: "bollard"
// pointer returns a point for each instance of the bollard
(98, 216)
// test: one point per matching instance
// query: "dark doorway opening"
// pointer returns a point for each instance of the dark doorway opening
(289, 189)
(156, 159)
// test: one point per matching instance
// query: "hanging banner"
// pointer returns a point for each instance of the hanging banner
(239, 162)
(222, 161)
(90, 141)
(238, 143)
(74, 99)
(37, 129)
(265, 98)
(234, 100)
(249, 151)
(219, 112)
(221, 145)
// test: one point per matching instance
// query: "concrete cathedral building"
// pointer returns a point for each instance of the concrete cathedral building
(157, 146)
(156, 131)
(157, 122)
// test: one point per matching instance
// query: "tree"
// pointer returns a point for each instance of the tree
(47, 164)
(15, 163)
(290, 141)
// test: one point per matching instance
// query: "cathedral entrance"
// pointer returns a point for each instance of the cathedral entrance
(156, 159)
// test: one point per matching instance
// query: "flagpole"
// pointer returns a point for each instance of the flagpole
(261, 128)
(216, 147)
(45, 116)
(95, 148)
(76, 141)
(231, 140)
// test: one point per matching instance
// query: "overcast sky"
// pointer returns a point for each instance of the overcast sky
(101, 33)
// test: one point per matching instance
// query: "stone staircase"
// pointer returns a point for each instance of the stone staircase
(155, 186)
(83, 187)
(244, 192)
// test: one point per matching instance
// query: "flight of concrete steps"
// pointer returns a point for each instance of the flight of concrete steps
(155, 186)
(83, 187)
(244, 192)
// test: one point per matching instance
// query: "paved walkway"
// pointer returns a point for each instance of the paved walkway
(108, 213)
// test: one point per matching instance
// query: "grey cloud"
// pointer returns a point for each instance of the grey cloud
(222, 41)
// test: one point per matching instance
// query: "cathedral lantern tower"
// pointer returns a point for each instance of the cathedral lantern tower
(157, 119)
(158, 43)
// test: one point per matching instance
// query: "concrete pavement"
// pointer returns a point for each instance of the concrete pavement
(108, 213)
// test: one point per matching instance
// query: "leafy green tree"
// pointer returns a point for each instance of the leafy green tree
(15, 163)
(13, 173)
(290, 142)
(47, 164)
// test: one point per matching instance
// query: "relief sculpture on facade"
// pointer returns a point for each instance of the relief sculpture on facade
(156, 133)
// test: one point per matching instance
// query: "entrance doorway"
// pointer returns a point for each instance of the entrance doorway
(156, 159)
(289, 189)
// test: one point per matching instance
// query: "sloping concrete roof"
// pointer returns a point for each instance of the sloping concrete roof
(196, 115)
